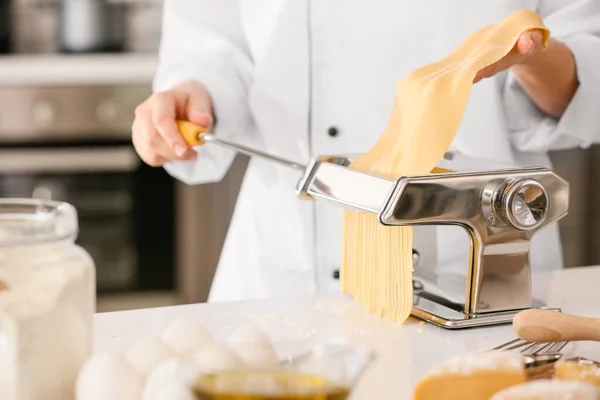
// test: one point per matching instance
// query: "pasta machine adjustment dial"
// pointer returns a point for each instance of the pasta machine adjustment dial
(523, 204)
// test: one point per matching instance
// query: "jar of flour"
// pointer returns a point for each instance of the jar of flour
(47, 300)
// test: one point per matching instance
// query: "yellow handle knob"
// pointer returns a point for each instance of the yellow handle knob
(191, 132)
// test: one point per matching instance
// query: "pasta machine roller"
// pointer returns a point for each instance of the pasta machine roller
(499, 207)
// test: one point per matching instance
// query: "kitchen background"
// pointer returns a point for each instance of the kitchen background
(71, 75)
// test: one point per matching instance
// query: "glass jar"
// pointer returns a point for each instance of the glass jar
(47, 300)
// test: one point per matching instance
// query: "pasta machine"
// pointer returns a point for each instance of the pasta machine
(500, 207)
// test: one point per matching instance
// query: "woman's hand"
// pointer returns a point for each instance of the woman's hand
(155, 135)
(527, 47)
(548, 77)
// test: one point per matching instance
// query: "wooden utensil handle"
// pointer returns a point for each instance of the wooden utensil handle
(552, 326)
(191, 132)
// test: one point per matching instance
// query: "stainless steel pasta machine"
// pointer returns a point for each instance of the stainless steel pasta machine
(500, 207)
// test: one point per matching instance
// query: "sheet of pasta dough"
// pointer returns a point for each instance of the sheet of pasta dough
(428, 109)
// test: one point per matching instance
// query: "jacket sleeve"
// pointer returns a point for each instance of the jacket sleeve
(577, 24)
(203, 41)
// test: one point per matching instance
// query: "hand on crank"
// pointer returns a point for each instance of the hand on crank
(527, 47)
(155, 135)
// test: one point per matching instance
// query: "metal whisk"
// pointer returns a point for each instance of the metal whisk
(532, 349)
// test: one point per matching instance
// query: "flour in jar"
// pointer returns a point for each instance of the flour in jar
(46, 310)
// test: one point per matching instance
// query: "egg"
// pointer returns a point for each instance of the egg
(172, 380)
(147, 353)
(186, 336)
(108, 376)
(253, 347)
(247, 335)
(217, 357)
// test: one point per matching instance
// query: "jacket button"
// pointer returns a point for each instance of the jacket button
(416, 257)
(336, 274)
(333, 131)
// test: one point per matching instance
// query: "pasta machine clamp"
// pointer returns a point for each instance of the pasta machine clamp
(499, 207)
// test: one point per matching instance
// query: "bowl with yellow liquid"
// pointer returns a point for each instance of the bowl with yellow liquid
(327, 372)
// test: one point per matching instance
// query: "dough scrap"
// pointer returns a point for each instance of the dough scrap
(472, 377)
(428, 109)
(582, 371)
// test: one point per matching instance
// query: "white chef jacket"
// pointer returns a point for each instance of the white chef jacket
(301, 78)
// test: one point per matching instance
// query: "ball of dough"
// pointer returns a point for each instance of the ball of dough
(254, 348)
(147, 353)
(578, 370)
(108, 376)
(217, 357)
(186, 336)
(172, 380)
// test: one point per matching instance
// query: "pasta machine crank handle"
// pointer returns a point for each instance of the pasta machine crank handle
(195, 135)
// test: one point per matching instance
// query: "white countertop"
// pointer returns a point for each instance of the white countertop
(59, 69)
(404, 352)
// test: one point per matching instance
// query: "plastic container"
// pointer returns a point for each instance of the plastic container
(47, 300)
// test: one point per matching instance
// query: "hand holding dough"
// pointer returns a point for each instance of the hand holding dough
(529, 44)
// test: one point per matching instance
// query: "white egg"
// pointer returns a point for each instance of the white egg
(248, 335)
(257, 356)
(147, 353)
(108, 376)
(217, 357)
(253, 347)
(186, 336)
(172, 380)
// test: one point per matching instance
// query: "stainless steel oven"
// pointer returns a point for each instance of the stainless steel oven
(73, 144)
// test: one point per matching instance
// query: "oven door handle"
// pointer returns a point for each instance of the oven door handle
(68, 160)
